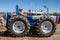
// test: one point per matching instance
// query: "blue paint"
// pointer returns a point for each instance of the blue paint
(8, 19)
(33, 23)
(17, 10)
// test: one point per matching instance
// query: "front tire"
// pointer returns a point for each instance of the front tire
(46, 28)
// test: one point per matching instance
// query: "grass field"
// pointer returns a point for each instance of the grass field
(6, 36)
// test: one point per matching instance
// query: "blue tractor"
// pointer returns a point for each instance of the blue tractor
(19, 25)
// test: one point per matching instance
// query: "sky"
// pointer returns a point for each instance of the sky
(9, 5)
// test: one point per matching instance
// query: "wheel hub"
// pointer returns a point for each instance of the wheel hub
(46, 27)
(18, 27)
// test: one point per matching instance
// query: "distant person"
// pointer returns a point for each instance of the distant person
(29, 11)
(22, 13)
(1, 21)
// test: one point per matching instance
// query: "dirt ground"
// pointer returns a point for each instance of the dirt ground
(6, 36)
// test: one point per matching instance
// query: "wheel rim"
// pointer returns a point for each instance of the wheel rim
(18, 27)
(46, 26)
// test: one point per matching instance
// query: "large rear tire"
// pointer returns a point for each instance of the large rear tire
(46, 28)
(19, 26)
